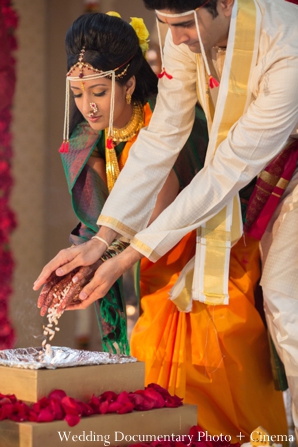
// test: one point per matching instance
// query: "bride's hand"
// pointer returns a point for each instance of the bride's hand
(63, 289)
(69, 259)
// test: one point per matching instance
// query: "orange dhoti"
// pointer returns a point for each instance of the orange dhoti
(216, 357)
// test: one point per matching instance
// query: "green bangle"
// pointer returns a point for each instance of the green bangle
(114, 249)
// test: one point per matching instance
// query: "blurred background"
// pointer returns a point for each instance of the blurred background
(38, 196)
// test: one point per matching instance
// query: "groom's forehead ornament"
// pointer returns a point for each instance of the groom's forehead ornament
(212, 81)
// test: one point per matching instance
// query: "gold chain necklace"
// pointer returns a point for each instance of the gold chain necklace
(133, 126)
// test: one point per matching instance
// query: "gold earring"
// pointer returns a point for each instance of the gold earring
(128, 98)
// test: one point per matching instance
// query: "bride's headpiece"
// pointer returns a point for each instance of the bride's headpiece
(88, 72)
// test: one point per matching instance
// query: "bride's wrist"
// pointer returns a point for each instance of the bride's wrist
(116, 247)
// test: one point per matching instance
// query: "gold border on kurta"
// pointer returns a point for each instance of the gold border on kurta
(183, 300)
(243, 52)
(116, 225)
(146, 250)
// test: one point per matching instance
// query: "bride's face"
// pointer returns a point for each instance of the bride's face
(98, 92)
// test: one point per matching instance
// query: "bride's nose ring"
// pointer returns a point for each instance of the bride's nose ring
(94, 109)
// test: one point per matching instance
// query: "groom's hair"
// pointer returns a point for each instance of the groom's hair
(178, 6)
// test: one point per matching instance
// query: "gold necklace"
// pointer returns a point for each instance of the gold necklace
(127, 132)
(133, 126)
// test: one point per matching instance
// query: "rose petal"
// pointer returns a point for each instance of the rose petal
(57, 394)
(141, 402)
(109, 396)
(42, 403)
(173, 402)
(123, 397)
(20, 412)
(127, 408)
(32, 417)
(57, 409)
(87, 409)
(114, 407)
(46, 415)
(70, 406)
(159, 401)
(72, 420)
(103, 407)
(95, 403)
(6, 411)
(5, 400)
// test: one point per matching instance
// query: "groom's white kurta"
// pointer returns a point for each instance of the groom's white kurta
(259, 134)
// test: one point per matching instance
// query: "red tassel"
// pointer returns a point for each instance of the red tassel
(164, 73)
(168, 75)
(110, 144)
(213, 82)
(64, 147)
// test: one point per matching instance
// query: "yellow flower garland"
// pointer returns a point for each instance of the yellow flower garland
(142, 33)
(140, 30)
